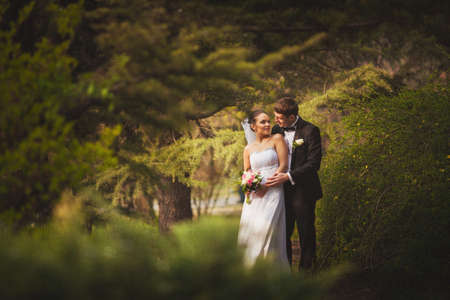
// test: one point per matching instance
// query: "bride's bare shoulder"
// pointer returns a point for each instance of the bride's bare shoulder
(248, 148)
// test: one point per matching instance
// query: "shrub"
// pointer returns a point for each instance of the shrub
(386, 186)
(130, 260)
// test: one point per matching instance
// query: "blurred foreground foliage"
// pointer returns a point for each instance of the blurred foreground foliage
(128, 259)
(40, 155)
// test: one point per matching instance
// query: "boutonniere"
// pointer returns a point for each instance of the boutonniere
(297, 143)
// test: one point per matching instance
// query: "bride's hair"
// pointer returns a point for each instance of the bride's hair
(253, 114)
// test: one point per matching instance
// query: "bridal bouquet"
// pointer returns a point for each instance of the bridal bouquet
(250, 182)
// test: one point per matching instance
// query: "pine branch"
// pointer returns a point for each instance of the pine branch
(206, 114)
(75, 113)
(206, 132)
(308, 28)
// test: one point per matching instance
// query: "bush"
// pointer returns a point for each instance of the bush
(131, 260)
(386, 187)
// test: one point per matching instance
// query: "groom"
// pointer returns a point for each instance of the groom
(301, 183)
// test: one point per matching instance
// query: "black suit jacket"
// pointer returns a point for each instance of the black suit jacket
(305, 162)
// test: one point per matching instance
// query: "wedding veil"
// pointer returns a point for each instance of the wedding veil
(250, 135)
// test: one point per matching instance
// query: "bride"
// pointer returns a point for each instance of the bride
(262, 230)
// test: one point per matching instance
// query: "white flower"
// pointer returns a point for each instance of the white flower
(297, 143)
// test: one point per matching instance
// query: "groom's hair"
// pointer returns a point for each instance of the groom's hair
(286, 106)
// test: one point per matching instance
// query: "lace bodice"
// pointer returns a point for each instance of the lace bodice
(265, 159)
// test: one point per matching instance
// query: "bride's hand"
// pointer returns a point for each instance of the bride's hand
(261, 191)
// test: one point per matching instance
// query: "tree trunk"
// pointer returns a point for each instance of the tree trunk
(174, 203)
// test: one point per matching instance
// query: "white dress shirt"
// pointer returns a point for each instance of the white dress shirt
(289, 138)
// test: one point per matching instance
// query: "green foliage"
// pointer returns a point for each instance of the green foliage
(128, 186)
(167, 68)
(386, 187)
(401, 39)
(165, 74)
(185, 154)
(66, 18)
(352, 91)
(128, 259)
(39, 154)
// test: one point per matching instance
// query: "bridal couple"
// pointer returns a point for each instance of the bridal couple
(288, 157)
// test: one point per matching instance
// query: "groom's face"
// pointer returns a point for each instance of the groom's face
(283, 120)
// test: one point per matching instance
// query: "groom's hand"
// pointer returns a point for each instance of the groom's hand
(277, 179)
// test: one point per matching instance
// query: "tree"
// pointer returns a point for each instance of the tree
(166, 77)
(170, 63)
(191, 60)
(401, 37)
(39, 153)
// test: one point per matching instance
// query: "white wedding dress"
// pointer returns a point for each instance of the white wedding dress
(262, 230)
